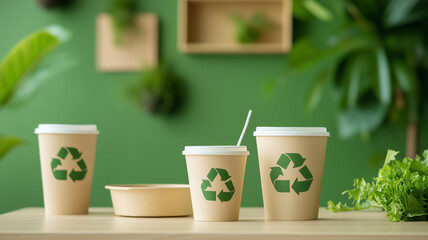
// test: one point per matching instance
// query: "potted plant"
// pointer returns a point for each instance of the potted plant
(250, 30)
(374, 53)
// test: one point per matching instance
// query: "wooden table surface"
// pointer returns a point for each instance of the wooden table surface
(101, 223)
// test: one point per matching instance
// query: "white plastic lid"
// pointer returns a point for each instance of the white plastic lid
(291, 131)
(67, 129)
(215, 150)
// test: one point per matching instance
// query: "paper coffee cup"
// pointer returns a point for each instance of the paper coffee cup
(67, 155)
(216, 177)
(291, 167)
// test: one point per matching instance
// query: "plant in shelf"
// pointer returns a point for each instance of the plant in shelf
(18, 80)
(374, 53)
(250, 30)
(121, 12)
(51, 4)
(159, 90)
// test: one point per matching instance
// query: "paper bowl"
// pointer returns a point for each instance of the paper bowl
(151, 200)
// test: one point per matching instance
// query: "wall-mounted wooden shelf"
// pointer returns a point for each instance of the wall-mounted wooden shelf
(205, 26)
(138, 49)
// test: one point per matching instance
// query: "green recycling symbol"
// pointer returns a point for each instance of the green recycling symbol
(224, 177)
(284, 185)
(62, 174)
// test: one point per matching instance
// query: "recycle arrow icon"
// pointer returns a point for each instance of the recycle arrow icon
(75, 175)
(283, 162)
(223, 196)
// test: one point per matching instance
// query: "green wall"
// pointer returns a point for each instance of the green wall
(136, 147)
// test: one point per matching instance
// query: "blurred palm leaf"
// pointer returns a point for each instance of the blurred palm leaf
(305, 53)
(7, 143)
(384, 87)
(318, 10)
(373, 51)
(16, 80)
(317, 89)
(361, 119)
(48, 70)
(24, 56)
(399, 12)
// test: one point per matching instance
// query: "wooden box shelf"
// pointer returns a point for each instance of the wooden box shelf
(139, 47)
(205, 26)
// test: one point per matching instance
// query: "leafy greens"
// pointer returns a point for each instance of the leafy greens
(400, 189)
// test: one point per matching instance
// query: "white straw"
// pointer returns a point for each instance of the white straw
(245, 128)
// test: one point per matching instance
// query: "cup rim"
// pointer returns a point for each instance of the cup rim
(216, 150)
(67, 129)
(291, 131)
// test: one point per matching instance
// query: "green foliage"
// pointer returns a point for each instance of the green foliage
(318, 10)
(400, 189)
(7, 143)
(24, 56)
(372, 52)
(159, 90)
(121, 12)
(250, 31)
(45, 71)
(16, 70)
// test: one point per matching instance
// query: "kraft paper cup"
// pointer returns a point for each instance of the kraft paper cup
(67, 156)
(291, 167)
(216, 177)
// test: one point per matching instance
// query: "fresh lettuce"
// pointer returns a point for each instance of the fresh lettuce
(400, 189)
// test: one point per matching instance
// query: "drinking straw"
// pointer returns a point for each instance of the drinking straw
(245, 128)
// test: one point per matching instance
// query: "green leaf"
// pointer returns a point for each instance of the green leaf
(48, 70)
(408, 83)
(401, 190)
(339, 207)
(24, 57)
(7, 143)
(402, 75)
(384, 78)
(398, 12)
(361, 119)
(356, 74)
(318, 10)
(425, 155)
(406, 79)
(351, 76)
(390, 156)
(300, 11)
(413, 206)
(305, 54)
(317, 89)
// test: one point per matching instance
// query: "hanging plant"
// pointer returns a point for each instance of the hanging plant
(121, 12)
(250, 30)
(50, 4)
(159, 90)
